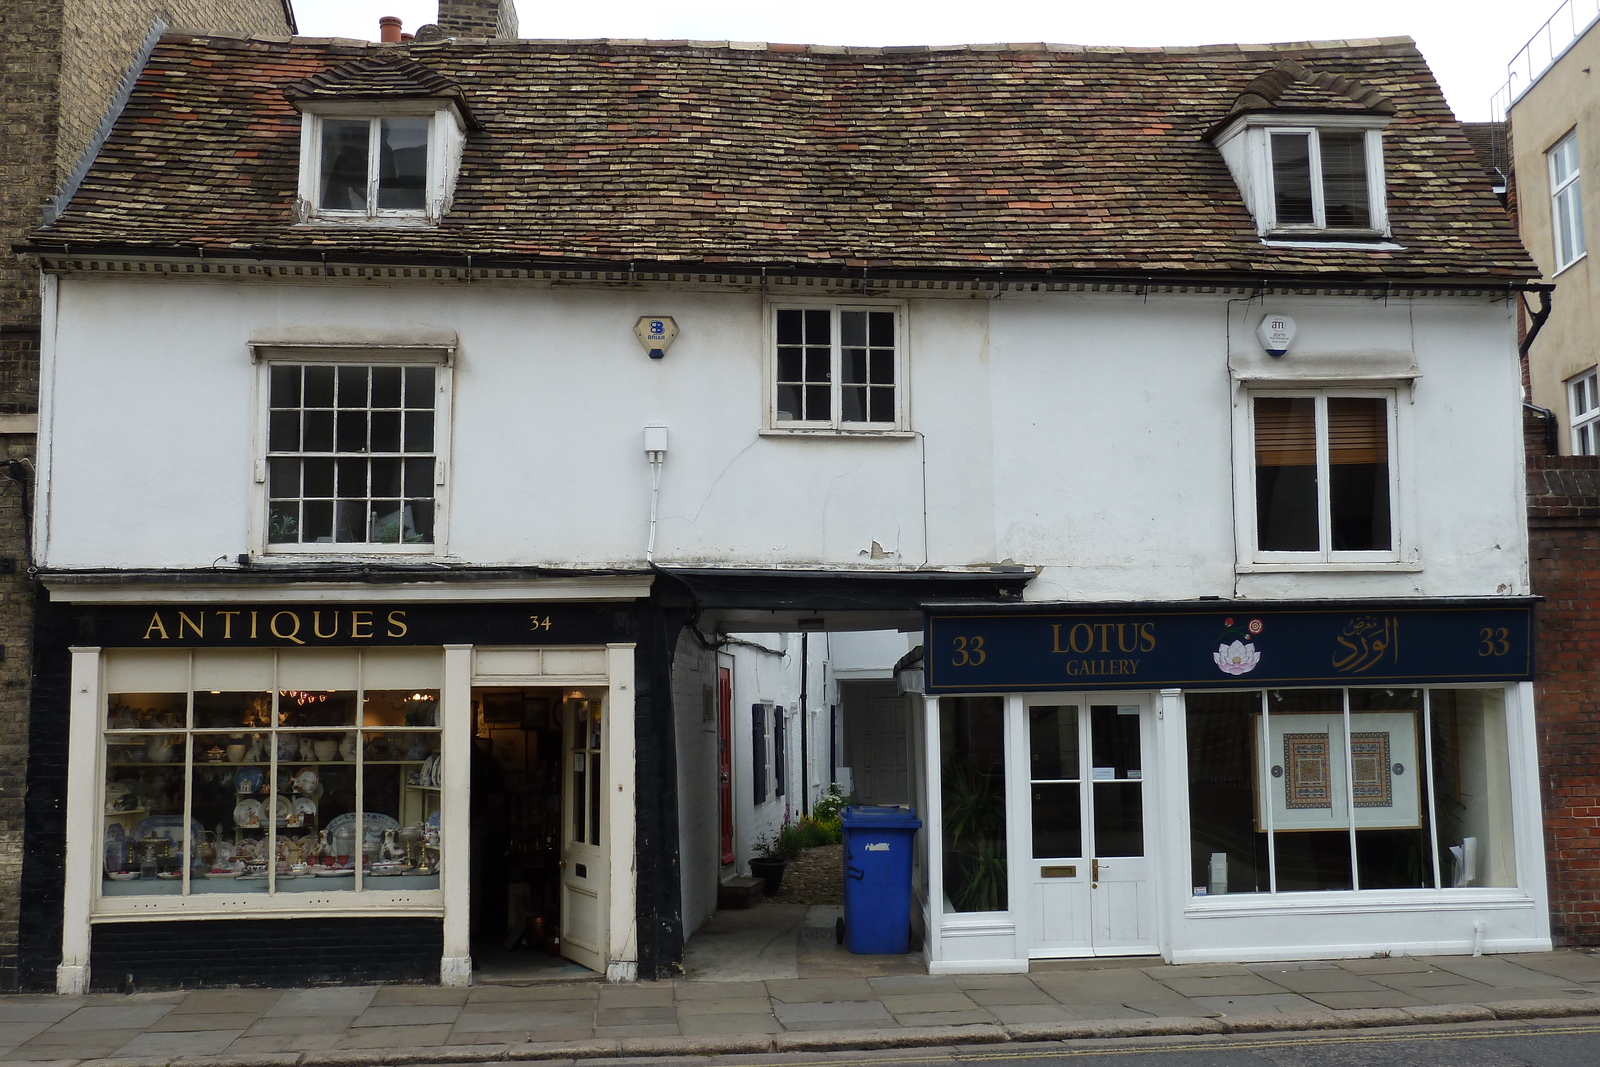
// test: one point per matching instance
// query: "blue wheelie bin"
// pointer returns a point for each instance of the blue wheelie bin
(877, 878)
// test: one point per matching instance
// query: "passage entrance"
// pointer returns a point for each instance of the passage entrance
(1088, 877)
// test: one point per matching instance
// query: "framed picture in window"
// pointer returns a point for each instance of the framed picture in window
(503, 707)
(1309, 779)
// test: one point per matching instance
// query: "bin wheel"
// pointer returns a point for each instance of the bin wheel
(838, 931)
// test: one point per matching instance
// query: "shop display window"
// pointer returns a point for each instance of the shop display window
(972, 779)
(268, 772)
(1300, 790)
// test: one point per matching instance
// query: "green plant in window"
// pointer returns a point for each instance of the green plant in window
(974, 819)
(282, 527)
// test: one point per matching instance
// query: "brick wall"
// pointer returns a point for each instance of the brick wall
(1564, 559)
(478, 18)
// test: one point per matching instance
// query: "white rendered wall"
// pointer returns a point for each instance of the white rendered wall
(1085, 434)
(761, 677)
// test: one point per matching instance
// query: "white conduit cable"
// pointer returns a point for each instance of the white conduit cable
(657, 460)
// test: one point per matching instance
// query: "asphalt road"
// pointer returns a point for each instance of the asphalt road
(1538, 1043)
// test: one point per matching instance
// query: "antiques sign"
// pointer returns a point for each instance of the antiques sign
(1243, 646)
(347, 624)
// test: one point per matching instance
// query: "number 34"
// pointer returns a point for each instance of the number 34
(969, 652)
(1494, 642)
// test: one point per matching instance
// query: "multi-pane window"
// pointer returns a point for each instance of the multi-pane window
(1323, 476)
(1320, 180)
(351, 454)
(373, 166)
(1566, 201)
(1583, 397)
(253, 771)
(837, 368)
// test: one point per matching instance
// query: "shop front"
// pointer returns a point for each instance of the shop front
(363, 789)
(1248, 782)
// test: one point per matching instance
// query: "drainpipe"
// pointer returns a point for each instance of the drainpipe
(805, 734)
(1536, 324)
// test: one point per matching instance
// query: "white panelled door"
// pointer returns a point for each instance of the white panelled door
(1089, 881)
(584, 874)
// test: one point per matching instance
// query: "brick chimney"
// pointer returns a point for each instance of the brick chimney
(478, 18)
(389, 29)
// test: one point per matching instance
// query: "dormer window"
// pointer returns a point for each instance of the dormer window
(1319, 179)
(1306, 150)
(380, 142)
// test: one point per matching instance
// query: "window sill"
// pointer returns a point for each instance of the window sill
(831, 431)
(1333, 244)
(349, 551)
(1329, 567)
(367, 222)
(1568, 266)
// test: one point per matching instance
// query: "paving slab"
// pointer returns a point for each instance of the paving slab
(817, 990)
(549, 991)
(111, 1017)
(246, 1046)
(13, 1034)
(180, 1043)
(407, 1015)
(1371, 998)
(339, 1000)
(904, 1003)
(833, 1013)
(727, 1006)
(754, 1023)
(1050, 1012)
(639, 1030)
(35, 1009)
(912, 983)
(226, 1001)
(524, 1021)
(1325, 980)
(655, 1013)
(419, 994)
(399, 1037)
(1429, 979)
(1228, 985)
(1198, 970)
(1493, 971)
(1009, 996)
(87, 1044)
(1258, 1003)
(1572, 965)
(1375, 965)
(944, 1018)
(289, 1024)
(643, 995)
(315, 1042)
(174, 1022)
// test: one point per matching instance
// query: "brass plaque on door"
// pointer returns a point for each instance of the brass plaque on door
(1058, 872)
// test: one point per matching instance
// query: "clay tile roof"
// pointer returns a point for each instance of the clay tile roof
(1027, 157)
(385, 76)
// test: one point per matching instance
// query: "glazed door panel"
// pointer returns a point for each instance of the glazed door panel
(725, 762)
(1088, 884)
(584, 877)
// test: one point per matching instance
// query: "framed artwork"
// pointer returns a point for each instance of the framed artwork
(1302, 772)
(535, 713)
(503, 707)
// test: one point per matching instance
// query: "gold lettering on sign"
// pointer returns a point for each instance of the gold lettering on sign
(227, 624)
(198, 628)
(316, 625)
(397, 619)
(292, 635)
(360, 624)
(155, 627)
(252, 626)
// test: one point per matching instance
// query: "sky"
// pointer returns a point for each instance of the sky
(1467, 42)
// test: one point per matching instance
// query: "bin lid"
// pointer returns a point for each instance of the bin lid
(879, 817)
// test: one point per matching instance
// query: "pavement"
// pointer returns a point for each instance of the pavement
(705, 1014)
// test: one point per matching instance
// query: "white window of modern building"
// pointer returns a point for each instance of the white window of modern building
(837, 368)
(353, 451)
(1583, 407)
(1566, 202)
(1324, 475)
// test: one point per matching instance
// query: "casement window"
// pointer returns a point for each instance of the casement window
(1325, 179)
(1583, 400)
(390, 168)
(1324, 475)
(1566, 202)
(838, 368)
(354, 453)
(780, 752)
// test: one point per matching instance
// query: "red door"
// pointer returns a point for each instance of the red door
(725, 759)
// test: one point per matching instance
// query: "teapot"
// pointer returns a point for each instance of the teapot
(160, 749)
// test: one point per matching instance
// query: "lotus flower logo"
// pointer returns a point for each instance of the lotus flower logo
(1237, 658)
(1236, 652)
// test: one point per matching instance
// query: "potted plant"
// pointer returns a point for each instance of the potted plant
(772, 855)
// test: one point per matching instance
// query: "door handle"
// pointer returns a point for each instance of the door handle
(1094, 877)
(722, 779)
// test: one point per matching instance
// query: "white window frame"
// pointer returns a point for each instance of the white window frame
(1583, 412)
(1246, 146)
(1569, 240)
(441, 358)
(446, 133)
(835, 425)
(1324, 555)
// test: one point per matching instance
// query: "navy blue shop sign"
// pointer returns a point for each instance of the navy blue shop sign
(1244, 646)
